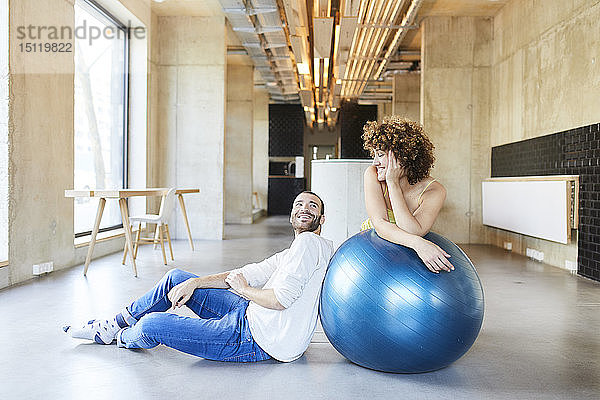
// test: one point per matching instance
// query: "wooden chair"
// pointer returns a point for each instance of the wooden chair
(166, 208)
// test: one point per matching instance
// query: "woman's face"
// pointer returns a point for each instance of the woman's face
(380, 161)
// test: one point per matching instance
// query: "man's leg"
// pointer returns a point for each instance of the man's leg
(103, 331)
(226, 339)
(205, 303)
(155, 300)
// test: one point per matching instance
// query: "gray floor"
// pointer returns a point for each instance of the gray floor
(540, 337)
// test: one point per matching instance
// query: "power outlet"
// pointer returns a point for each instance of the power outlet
(571, 265)
(43, 268)
(508, 246)
(534, 254)
(529, 252)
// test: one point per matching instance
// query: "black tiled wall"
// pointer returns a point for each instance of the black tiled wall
(572, 152)
(286, 130)
(282, 192)
(353, 117)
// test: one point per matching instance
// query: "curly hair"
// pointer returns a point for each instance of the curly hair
(408, 142)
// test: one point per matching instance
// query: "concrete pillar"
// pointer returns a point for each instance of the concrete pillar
(191, 121)
(455, 99)
(384, 109)
(238, 143)
(40, 222)
(260, 147)
(406, 94)
(154, 140)
(3, 132)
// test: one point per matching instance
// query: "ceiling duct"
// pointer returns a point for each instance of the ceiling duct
(258, 25)
(321, 52)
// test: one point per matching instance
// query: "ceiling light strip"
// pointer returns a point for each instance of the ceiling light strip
(376, 35)
(364, 43)
(357, 36)
(362, 52)
(371, 35)
(360, 45)
(409, 17)
(389, 19)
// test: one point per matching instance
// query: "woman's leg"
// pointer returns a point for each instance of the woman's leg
(225, 339)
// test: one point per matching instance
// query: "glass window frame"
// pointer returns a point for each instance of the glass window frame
(126, 32)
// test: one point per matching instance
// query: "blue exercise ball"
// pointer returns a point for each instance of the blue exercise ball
(381, 307)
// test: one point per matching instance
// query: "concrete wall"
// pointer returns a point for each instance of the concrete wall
(40, 225)
(190, 124)
(41, 133)
(154, 172)
(384, 109)
(407, 96)
(260, 146)
(455, 76)
(545, 79)
(546, 68)
(3, 132)
(238, 140)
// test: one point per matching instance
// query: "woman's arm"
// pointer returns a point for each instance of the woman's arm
(377, 211)
(433, 256)
(421, 222)
(374, 200)
(433, 199)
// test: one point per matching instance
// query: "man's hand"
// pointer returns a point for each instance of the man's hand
(237, 282)
(181, 293)
(262, 297)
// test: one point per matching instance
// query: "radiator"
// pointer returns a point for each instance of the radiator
(540, 206)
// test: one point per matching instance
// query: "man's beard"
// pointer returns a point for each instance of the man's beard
(299, 227)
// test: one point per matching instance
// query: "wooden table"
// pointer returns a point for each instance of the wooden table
(122, 195)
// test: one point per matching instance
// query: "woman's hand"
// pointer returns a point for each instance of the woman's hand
(394, 170)
(433, 256)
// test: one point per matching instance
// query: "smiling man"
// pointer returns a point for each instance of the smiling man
(260, 311)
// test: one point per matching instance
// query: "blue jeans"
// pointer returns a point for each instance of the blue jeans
(221, 333)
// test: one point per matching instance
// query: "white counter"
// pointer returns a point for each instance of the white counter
(340, 184)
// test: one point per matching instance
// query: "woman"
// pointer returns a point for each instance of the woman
(402, 200)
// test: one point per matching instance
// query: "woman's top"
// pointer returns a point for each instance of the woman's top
(367, 223)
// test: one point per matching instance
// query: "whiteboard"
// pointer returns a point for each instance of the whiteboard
(533, 208)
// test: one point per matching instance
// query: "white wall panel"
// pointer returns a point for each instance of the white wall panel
(535, 208)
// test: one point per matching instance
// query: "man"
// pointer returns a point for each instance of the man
(270, 310)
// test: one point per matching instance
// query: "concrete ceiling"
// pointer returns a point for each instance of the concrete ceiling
(471, 8)
(412, 41)
(437, 8)
(278, 66)
(186, 8)
(476, 8)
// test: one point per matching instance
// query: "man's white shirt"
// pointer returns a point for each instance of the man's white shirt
(296, 276)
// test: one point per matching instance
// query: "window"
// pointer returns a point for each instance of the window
(101, 71)
(3, 131)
